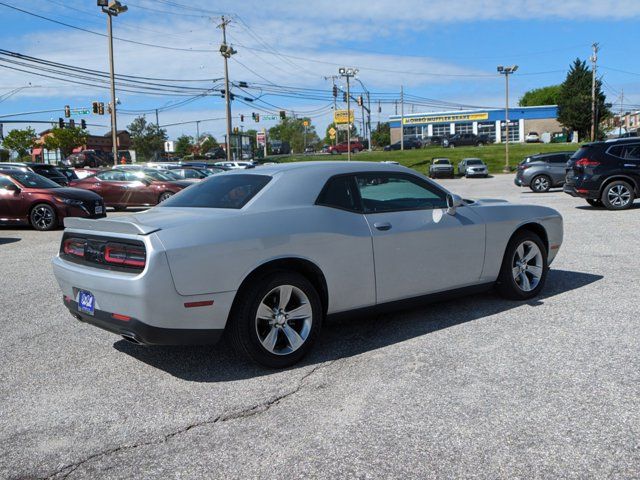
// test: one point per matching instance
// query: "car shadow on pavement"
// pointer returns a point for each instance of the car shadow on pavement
(6, 240)
(635, 206)
(348, 336)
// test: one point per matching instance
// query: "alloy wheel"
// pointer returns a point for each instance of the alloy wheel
(283, 320)
(42, 217)
(619, 195)
(527, 266)
(541, 184)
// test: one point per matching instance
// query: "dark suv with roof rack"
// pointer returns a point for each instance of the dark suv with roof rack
(606, 173)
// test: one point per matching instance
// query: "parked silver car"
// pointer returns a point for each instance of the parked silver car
(266, 254)
(472, 167)
(441, 167)
(543, 171)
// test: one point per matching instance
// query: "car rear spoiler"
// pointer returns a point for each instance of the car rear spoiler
(111, 226)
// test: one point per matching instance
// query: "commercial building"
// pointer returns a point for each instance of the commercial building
(490, 122)
(94, 142)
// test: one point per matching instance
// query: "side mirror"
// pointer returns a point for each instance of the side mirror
(12, 188)
(453, 202)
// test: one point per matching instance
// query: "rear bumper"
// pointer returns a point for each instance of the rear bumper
(520, 182)
(580, 193)
(142, 333)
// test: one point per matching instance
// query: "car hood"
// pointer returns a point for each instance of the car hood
(67, 192)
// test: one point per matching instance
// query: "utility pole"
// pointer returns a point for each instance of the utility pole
(506, 71)
(401, 117)
(112, 8)
(621, 110)
(594, 60)
(158, 154)
(197, 131)
(226, 52)
(334, 90)
(348, 73)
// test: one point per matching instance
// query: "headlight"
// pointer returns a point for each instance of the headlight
(70, 201)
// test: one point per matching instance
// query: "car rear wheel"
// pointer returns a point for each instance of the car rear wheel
(452, 145)
(524, 267)
(276, 320)
(618, 195)
(164, 196)
(594, 202)
(355, 150)
(540, 184)
(479, 144)
(43, 217)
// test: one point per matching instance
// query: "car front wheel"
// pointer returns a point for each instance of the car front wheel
(164, 196)
(524, 267)
(540, 184)
(43, 217)
(276, 320)
(618, 195)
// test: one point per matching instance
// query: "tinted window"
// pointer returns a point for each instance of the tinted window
(111, 176)
(49, 172)
(5, 182)
(557, 159)
(33, 180)
(219, 191)
(631, 152)
(474, 162)
(338, 193)
(393, 192)
(441, 162)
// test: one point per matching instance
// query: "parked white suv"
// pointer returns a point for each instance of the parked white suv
(532, 137)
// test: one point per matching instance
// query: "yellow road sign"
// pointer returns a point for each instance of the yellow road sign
(341, 116)
(305, 123)
(332, 131)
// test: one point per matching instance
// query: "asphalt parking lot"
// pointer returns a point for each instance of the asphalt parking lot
(473, 388)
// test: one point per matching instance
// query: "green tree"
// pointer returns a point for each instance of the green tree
(292, 130)
(574, 100)
(541, 96)
(147, 139)
(381, 135)
(20, 140)
(184, 146)
(4, 155)
(65, 139)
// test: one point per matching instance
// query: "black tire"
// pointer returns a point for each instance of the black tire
(595, 202)
(242, 329)
(164, 195)
(506, 285)
(618, 195)
(355, 150)
(479, 144)
(452, 145)
(334, 152)
(120, 208)
(540, 184)
(43, 217)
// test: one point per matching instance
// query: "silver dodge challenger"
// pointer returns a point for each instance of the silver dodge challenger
(265, 255)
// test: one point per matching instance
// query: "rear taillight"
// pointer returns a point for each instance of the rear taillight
(523, 166)
(74, 246)
(586, 162)
(125, 255)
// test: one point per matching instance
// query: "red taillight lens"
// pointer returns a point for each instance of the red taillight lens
(127, 255)
(585, 162)
(74, 246)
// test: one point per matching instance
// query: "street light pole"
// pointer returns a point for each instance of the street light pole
(112, 8)
(348, 73)
(506, 71)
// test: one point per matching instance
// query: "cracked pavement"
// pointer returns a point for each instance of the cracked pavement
(476, 387)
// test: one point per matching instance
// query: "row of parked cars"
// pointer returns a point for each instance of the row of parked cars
(42, 195)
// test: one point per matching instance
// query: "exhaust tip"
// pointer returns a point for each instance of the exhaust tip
(131, 338)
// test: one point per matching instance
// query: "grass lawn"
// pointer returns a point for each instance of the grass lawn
(492, 155)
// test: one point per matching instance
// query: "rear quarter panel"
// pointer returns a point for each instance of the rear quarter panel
(217, 255)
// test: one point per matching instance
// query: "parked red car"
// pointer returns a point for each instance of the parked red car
(130, 188)
(31, 199)
(342, 147)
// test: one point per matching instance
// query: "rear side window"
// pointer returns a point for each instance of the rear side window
(113, 176)
(219, 191)
(557, 159)
(338, 193)
(582, 152)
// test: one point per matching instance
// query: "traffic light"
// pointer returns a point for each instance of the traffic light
(257, 117)
(283, 114)
(94, 108)
(100, 108)
(67, 111)
(83, 124)
(60, 122)
(72, 123)
(359, 100)
(242, 118)
(253, 115)
(344, 97)
(335, 91)
(235, 130)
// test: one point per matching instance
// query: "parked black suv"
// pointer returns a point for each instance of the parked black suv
(606, 173)
(465, 139)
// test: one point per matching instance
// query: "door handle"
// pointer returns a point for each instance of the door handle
(382, 226)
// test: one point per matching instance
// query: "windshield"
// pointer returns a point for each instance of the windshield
(474, 162)
(47, 171)
(33, 180)
(155, 175)
(219, 191)
(442, 161)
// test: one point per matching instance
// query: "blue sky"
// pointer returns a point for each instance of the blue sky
(443, 50)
